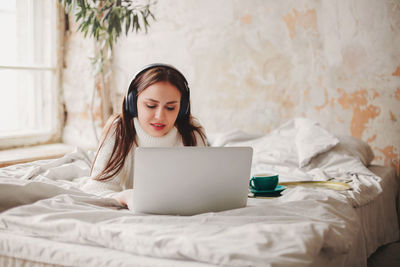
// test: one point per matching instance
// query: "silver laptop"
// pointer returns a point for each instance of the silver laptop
(190, 180)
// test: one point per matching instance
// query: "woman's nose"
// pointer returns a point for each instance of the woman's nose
(159, 113)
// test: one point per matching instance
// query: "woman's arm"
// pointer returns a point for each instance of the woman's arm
(115, 184)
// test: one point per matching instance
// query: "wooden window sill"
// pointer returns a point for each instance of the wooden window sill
(27, 154)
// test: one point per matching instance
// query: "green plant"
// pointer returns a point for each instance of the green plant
(105, 20)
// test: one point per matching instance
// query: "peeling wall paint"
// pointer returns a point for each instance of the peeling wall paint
(253, 65)
(389, 156)
(397, 72)
(306, 20)
(397, 94)
(362, 111)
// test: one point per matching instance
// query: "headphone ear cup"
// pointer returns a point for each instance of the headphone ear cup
(131, 104)
(184, 109)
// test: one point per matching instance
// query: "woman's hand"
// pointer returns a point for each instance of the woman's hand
(125, 198)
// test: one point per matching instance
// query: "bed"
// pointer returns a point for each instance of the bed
(47, 220)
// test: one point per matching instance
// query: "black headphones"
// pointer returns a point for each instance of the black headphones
(131, 96)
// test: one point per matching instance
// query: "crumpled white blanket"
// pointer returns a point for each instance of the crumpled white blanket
(43, 199)
(301, 150)
(290, 230)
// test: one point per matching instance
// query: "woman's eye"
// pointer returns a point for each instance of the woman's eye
(170, 108)
(150, 106)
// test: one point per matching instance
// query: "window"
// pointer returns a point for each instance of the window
(29, 71)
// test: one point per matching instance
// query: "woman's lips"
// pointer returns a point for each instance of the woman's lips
(157, 126)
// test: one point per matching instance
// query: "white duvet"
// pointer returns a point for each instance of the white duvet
(43, 199)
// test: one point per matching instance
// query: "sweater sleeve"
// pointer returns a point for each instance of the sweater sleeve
(113, 185)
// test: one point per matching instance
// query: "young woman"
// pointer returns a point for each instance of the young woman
(155, 113)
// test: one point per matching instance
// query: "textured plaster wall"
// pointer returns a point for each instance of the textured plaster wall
(253, 65)
(78, 84)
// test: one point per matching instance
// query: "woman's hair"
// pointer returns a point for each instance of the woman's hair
(124, 128)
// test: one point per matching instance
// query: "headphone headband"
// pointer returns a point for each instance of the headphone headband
(131, 97)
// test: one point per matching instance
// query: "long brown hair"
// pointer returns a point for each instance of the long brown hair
(123, 125)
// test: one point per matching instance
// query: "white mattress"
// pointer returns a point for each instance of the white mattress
(34, 252)
(378, 220)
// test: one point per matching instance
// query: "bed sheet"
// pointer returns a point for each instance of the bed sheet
(378, 221)
(43, 201)
(379, 218)
(302, 149)
(17, 250)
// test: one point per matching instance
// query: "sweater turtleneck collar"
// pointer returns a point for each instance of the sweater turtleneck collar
(172, 138)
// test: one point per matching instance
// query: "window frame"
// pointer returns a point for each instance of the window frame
(54, 133)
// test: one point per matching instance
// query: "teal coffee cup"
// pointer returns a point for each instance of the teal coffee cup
(264, 182)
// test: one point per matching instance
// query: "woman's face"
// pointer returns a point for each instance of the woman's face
(158, 107)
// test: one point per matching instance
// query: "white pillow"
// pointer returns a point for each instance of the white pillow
(233, 136)
(355, 147)
(311, 140)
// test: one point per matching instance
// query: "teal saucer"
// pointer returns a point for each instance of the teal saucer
(278, 189)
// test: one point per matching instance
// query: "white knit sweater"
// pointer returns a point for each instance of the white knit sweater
(124, 179)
